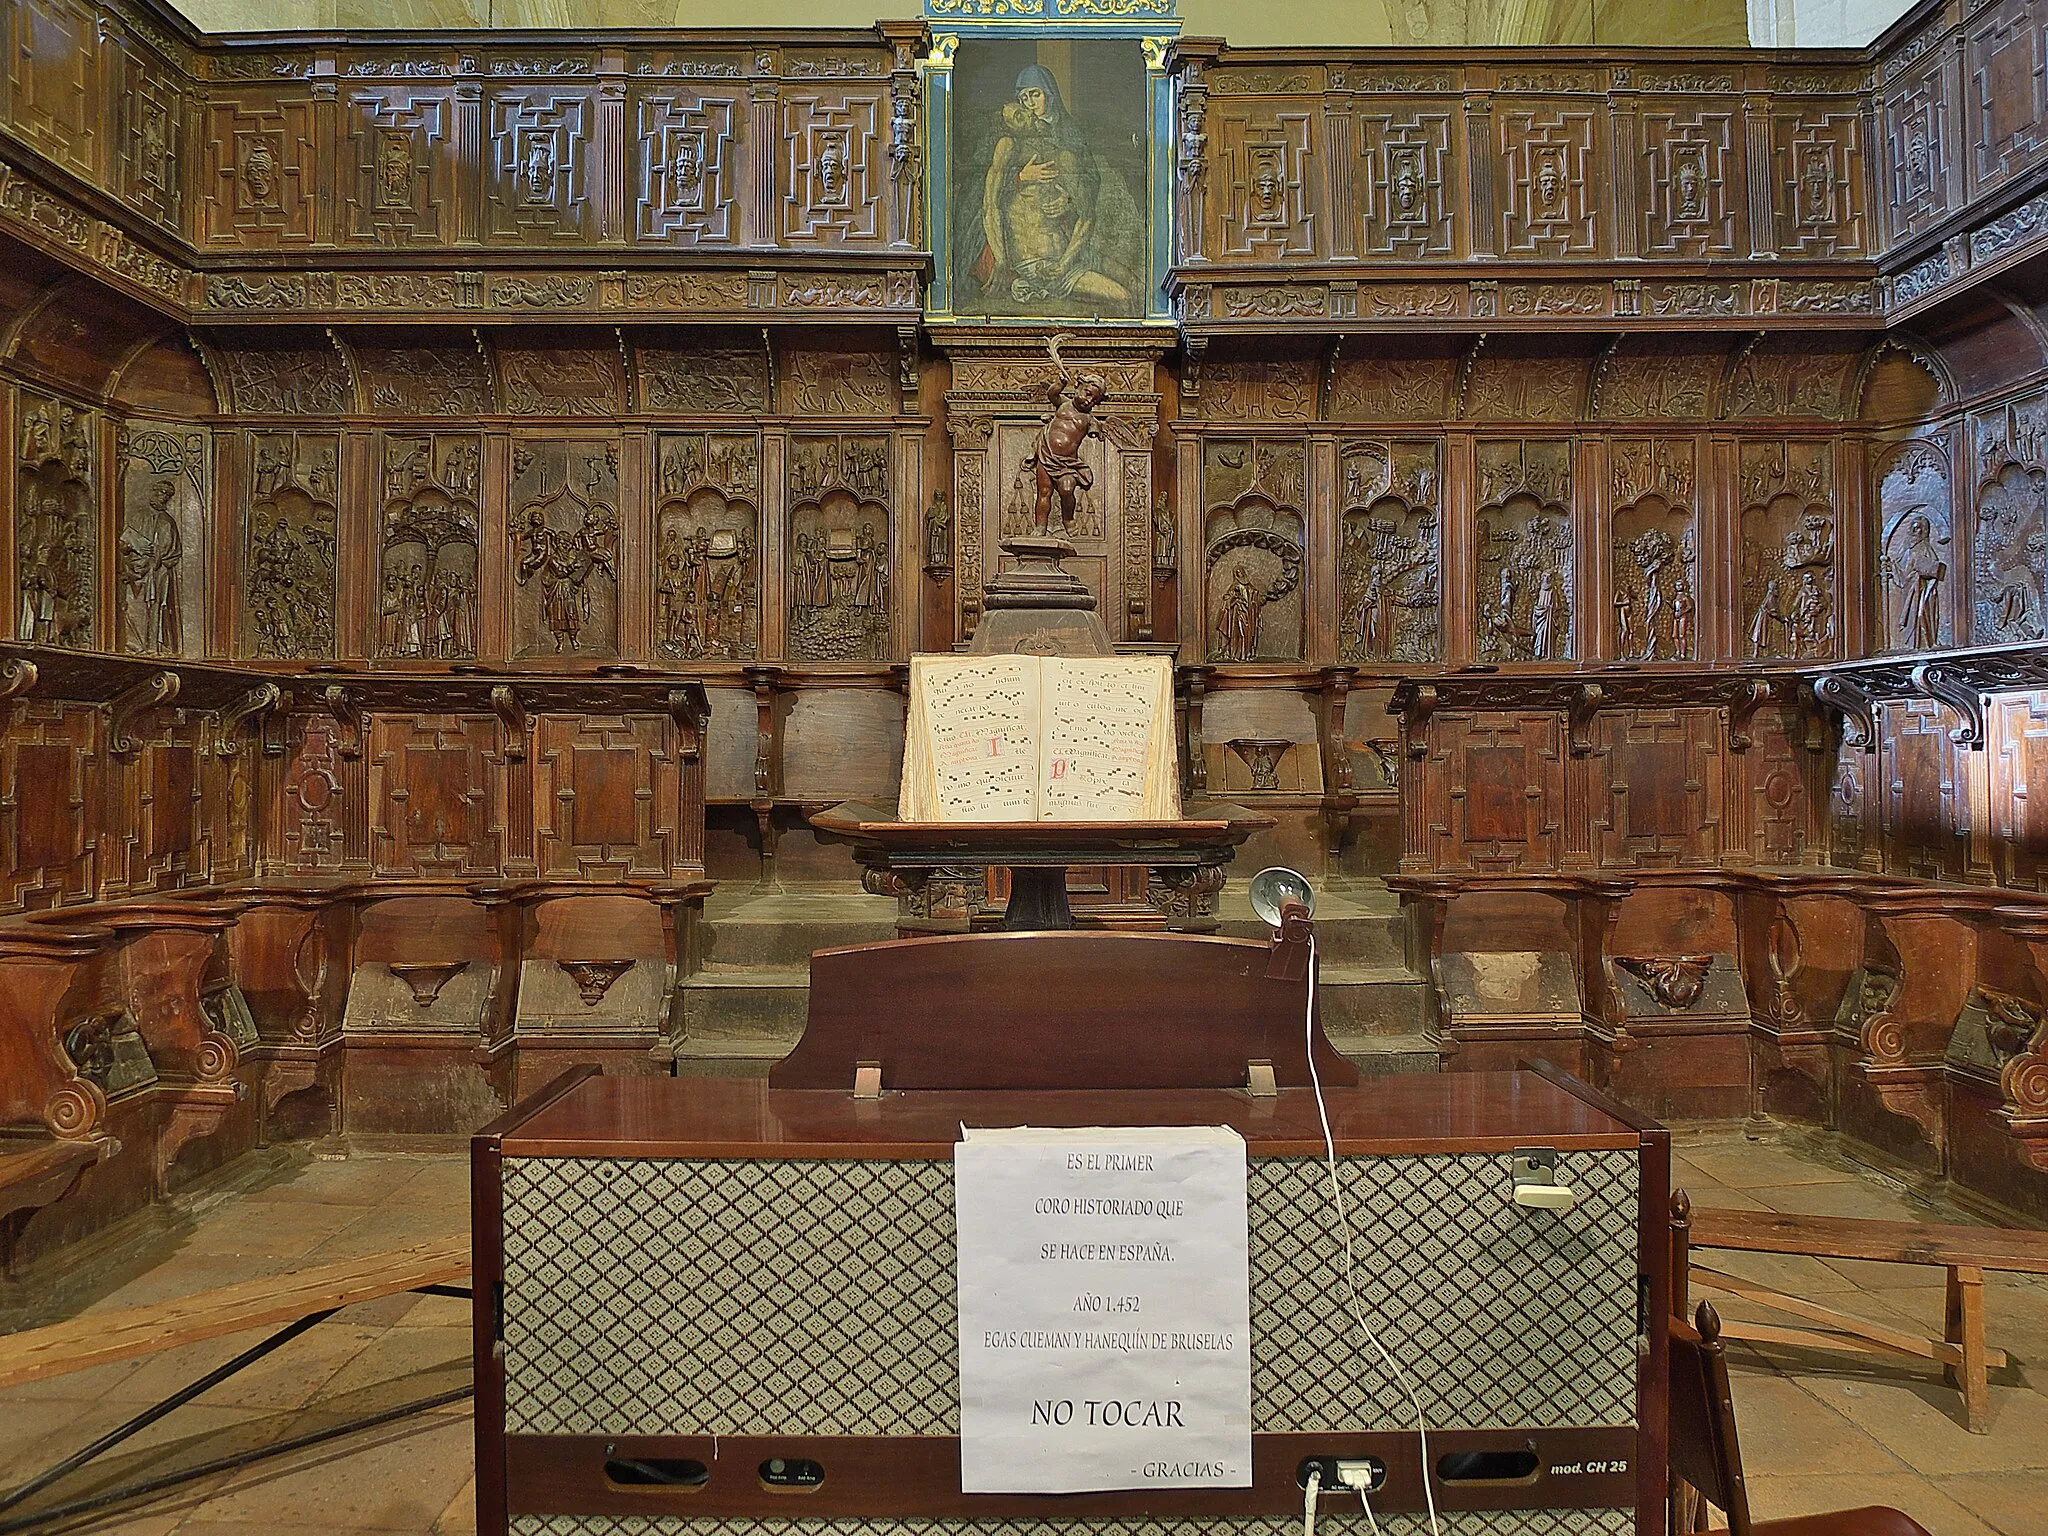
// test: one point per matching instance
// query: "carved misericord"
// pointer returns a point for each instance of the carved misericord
(717, 379)
(565, 537)
(56, 523)
(430, 523)
(1914, 559)
(1675, 981)
(1654, 549)
(839, 578)
(707, 546)
(1389, 563)
(1252, 548)
(164, 497)
(1526, 563)
(2009, 547)
(1788, 550)
(289, 593)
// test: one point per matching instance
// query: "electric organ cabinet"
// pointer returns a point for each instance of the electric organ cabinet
(717, 1306)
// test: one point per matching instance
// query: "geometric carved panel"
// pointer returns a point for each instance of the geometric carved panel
(2005, 88)
(1689, 207)
(262, 171)
(1266, 170)
(688, 156)
(1817, 158)
(832, 174)
(1926, 793)
(605, 796)
(540, 183)
(1495, 791)
(52, 780)
(52, 78)
(431, 787)
(1662, 807)
(1407, 185)
(151, 140)
(1919, 147)
(398, 178)
(2019, 790)
(1550, 180)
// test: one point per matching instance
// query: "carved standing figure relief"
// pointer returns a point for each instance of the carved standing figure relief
(839, 576)
(706, 566)
(1059, 474)
(427, 605)
(2009, 543)
(151, 547)
(565, 536)
(55, 528)
(1165, 538)
(1525, 611)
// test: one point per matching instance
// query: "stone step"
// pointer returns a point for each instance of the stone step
(744, 1012)
(783, 925)
(1356, 924)
(1384, 1055)
(1381, 1000)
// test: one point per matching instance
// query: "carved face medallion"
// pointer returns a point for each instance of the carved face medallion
(259, 170)
(1407, 188)
(1267, 187)
(1549, 186)
(690, 162)
(1816, 179)
(394, 169)
(537, 169)
(1689, 199)
(831, 171)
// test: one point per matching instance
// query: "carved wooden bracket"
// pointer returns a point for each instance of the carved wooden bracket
(682, 709)
(1198, 763)
(1943, 685)
(1676, 981)
(1854, 705)
(1742, 710)
(1414, 704)
(259, 702)
(348, 714)
(1579, 722)
(153, 692)
(906, 366)
(17, 678)
(594, 978)
(512, 715)
(762, 680)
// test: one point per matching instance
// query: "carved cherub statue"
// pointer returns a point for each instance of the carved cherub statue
(1055, 460)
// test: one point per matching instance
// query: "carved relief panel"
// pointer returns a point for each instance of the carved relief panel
(1389, 554)
(398, 165)
(1254, 389)
(56, 523)
(838, 492)
(1799, 376)
(288, 563)
(1253, 530)
(1653, 549)
(1919, 146)
(2009, 541)
(1658, 379)
(1392, 388)
(1526, 592)
(539, 186)
(426, 381)
(1690, 184)
(565, 548)
(1817, 158)
(160, 559)
(261, 173)
(1916, 561)
(431, 779)
(1548, 180)
(810, 382)
(562, 380)
(712, 379)
(686, 152)
(287, 380)
(1264, 177)
(2005, 87)
(1790, 604)
(707, 545)
(1507, 387)
(429, 526)
(1406, 189)
(834, 174)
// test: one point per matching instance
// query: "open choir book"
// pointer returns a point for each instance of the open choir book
(1040, 738)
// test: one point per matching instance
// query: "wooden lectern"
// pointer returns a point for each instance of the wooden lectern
(706, 1304)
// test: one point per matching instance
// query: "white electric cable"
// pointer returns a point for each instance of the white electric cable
(1350, 1273)
(1308, 1501)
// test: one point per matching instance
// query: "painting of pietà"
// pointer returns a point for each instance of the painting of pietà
(1048, 190)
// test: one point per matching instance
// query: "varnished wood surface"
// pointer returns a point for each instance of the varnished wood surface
(735, 1117)
(1055, 1010)
(1089, 841)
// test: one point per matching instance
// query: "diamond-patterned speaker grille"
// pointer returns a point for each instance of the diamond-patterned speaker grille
(816, 1296)
(1491, 1522)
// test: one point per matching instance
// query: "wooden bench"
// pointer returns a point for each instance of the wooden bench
(104, 1337)
(1965, 1252)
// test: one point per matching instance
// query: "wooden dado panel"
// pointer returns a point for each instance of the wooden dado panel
(2019, 790)
(1926, 793)
(1662, 806)
(435, 783)
(1497, 788)
(607, 799)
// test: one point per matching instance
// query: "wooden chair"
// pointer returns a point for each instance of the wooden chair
(1705, 1455)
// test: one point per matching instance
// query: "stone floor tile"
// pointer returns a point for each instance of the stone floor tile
(398, 1479)
(360, 1180)
(2011, 1503)
(1868, 1201)
(404, 1355)
(1920, 1422)
(437, 1312)
(285, 1378)
(1719, 1197)
(1751, 1165)
(1791, 1272)
(459, 1518)
(1772, 1498)
(1876, 1275)
(1784, 1432)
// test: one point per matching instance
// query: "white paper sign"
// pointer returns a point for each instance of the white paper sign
(1105, 1310)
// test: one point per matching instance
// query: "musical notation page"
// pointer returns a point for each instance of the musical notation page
(972, 739)
(1107, 749)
